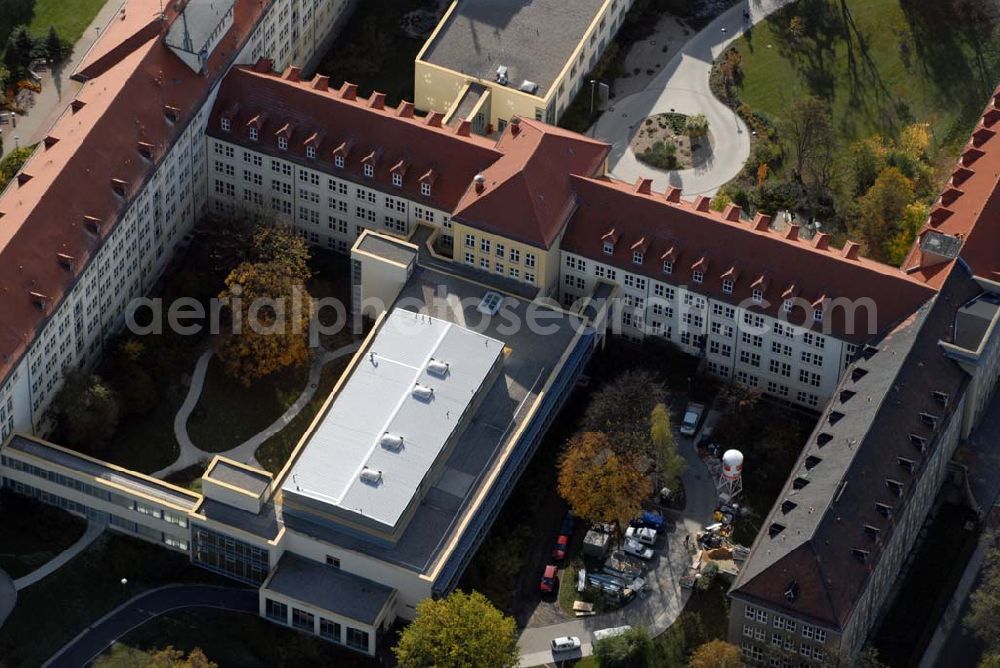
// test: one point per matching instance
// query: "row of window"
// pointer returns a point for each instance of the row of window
(276, 611)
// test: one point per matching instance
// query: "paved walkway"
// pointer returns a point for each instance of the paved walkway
(58, 90)
(682, 86)
(8, 596)
(119, 622)
(191, 454)
(664, 599)
(94, 530)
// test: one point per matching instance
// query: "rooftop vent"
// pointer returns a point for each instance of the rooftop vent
(392, 442)
(792, 591)
(371, 476)
(501, 76)
(775, 529)
(422, 392)
(788, 506)
(529, 87)
(437, 368)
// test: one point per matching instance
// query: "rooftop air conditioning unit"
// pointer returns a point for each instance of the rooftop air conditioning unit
(502, 75)
(437, 368)
(392, 442)
(529, 87)
(423, 392)
(371, 476)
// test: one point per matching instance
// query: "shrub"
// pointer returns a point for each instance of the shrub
(661, 154)
(708, 574)
(696, 126)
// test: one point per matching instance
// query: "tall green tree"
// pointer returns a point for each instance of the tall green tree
(810, 137)
(985, 599)
(716, 654)
(87, 409)
(457, 631)
(881, 211)
(12, 163)
(632, 649)
(669, 462)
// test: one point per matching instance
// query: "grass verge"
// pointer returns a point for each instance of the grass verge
(70, 17)
(32, 533)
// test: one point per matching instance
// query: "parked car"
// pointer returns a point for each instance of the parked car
(644, 535)
(565, 644)
(548, 583)
(692, 418)
(568, 523)
(636, 549)
(562, 545)
(650, 519)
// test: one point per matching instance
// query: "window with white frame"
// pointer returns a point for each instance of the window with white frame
(757, 295)
(470, 241)
(338, 161)
(225, 125)
(529, 260)
(727, 286)
(425, 189)
(369, 170)
(668, 267)
(283, 143)
(697, 276)
(310, 152)
(397, 180)
(609, 248)
(818, 314)
(253, 134)
(637, 257)
(787, 305)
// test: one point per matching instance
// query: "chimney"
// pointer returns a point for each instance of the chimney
(822, 241)
(673, 194)
(702, 203)
(851, 250)
(376, 100)
(321, 82)
(732, 213)
(792, 234)
(515, 125)
(761, 222)
(479, 181)
(464, 128)
(643, 186)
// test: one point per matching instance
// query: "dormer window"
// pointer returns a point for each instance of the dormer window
(929, 420)
(894, 486)
(668, 267)
(697, 276)
(727, 286)
(787, 305)
(338, 161)
(253, 134)
(283, 143)
(637, 257)
(310, 152)
(919, 441)
(883, 509)
(369, 171)
(908, 464)
(425, 189)
(757, 295)
(224, 123)
(941, 398)
(818, 315)
(397, 180)
(609, 248)
(859, 554)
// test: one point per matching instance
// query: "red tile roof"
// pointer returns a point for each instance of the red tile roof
(308, 113)
(69, 206)
(969, 207)
(720, 247)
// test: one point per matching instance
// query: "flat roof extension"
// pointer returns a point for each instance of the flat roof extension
(244, 477)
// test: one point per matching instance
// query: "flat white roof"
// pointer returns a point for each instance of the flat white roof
(345, 462)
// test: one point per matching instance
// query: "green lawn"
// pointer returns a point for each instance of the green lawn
(51, 612)
(189, 477)
(274, 452)
(146, 443)
(228, 639)
(881, 64)
(228, 413)
(31, 533)
(372, 52)
(70, 17)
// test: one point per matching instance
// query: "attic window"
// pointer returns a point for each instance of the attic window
(757, 295)
(918, 441)
(883, 509)
(818, 314)
(369, 171)
(697, 276)
(858, 373)
(873, 532)
(283, 143)
(791, 593)
(869, 351)
(609, 248)
(788, 506)
(788, 305)
(907, 464)
(425, 189)
(775, 529)
(668, 267)
(929, 420)
(895, 486)
(859, 554)
(812, 461)
(310, 152)
(397, 180)
(835, 417)
(940, 397)
(800, 482)
(338, 161)
(637, 257)
(253, 134)
(845, 395)
(727, 286)
(823, 438)
(225, 125)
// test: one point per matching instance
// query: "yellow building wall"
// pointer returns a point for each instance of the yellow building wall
(546, 269)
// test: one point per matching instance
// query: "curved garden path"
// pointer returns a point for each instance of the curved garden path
(191, 454)
(682, 86)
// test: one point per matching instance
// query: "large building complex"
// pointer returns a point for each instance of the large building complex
(491, 60)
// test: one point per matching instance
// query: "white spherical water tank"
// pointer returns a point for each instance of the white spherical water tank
(732, 464)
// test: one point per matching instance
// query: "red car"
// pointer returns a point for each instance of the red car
(548, 583)
(562, 545)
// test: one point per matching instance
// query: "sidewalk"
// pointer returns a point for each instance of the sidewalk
(58, 90)
(90, 535)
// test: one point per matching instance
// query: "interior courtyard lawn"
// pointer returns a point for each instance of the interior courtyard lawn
(146, 443)
(881, 64)
(228, 413)
(32, 533)
(70, 17)
(52, 612)
(228, 639)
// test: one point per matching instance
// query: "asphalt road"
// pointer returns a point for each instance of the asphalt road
(95, 639)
